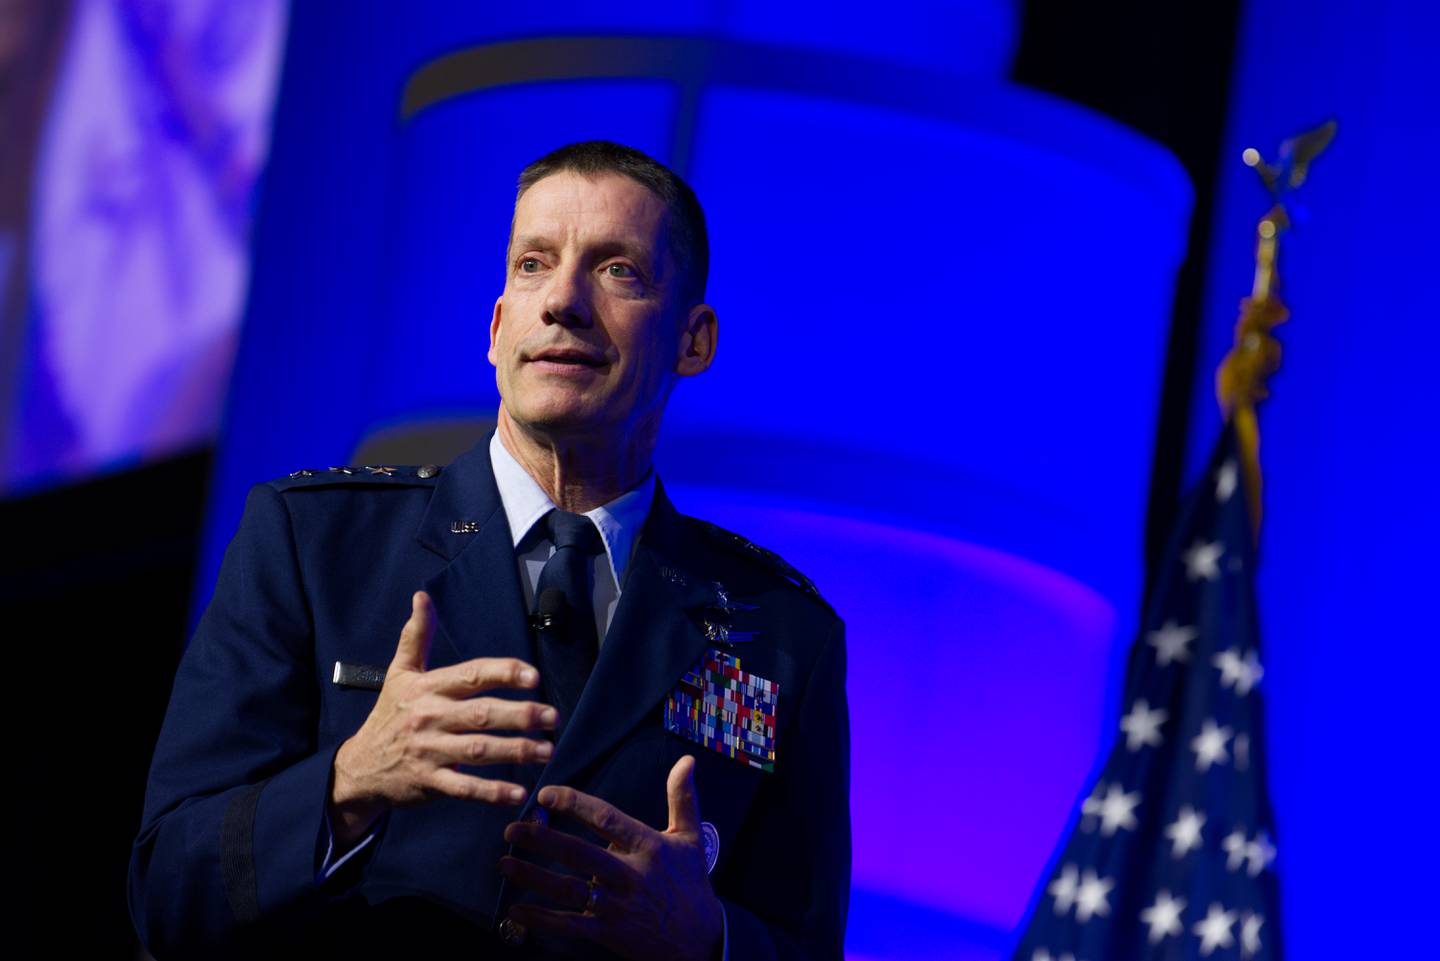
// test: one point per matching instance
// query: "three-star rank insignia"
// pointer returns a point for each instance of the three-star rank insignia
(346, 475)
(725, 709)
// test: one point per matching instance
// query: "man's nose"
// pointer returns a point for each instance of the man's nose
(567, 300)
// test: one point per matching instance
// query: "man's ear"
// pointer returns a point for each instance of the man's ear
(495, 329)
(697, 341)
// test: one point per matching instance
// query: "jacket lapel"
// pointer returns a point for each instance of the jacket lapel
(652, 640)
(478, 602)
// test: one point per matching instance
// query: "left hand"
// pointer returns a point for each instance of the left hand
(651, 891)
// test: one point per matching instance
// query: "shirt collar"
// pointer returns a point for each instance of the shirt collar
(525, 502)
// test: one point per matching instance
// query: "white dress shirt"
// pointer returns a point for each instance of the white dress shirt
(619, 523)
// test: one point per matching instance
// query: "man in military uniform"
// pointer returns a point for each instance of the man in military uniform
(652, 764)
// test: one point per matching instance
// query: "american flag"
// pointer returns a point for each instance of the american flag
(1173, 854)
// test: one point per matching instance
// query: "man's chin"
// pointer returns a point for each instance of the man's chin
(560, 422)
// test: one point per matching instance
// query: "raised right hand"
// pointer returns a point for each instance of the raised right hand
(425, 723)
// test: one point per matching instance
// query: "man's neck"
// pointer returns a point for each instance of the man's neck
(577, 474)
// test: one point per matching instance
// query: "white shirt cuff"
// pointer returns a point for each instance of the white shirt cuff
(326, 868)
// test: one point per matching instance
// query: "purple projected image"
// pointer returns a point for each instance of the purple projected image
(156, 131)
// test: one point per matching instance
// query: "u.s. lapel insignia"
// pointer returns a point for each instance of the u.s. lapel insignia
(464, 527)
(726, 709)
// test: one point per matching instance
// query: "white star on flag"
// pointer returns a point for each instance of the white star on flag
(1230, 665)
(1256, 854)
(1114, 811)
(1214, 930)
(1163, 916)
(1234, 847)
(1250, 934)
(1225, 480)
(1092, 898)
(1259, 853)
(1242, 674)
(1171, 643)
(1202, 560)
(1117, 810)
(1253, 673)
(1064, 888)
(1142, 726)
(1185, 832)
(1209, 746)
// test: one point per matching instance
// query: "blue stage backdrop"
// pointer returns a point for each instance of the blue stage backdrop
(943, 306)
(1349, 442)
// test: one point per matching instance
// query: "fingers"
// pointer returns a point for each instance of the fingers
(683, 800)
(582, 857)
(567, 923)
(482, 674)
(414, 646)
(603, 818)
(467, 787)
(498, 714)
(482, 749)
(563, 889)
(457, 680)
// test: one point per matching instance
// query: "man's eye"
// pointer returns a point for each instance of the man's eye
(529, 265)
(621, 270)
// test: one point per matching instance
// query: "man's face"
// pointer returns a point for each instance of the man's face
(590, 334)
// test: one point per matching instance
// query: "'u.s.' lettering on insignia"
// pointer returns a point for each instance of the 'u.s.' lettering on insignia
(728, 710)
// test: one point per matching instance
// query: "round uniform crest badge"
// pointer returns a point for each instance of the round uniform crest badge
(711, 837)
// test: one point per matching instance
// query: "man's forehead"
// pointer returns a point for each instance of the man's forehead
(605, 207)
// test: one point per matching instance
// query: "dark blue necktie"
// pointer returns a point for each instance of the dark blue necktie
(568, 643)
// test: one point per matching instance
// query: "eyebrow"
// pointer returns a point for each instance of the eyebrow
(531, 243)
(607, 248)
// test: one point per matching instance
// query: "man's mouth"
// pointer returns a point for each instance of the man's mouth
(569, 357)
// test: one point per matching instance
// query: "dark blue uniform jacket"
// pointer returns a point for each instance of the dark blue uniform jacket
(322, 570)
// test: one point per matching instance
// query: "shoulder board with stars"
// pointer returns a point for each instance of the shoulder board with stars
(367, 474)
(766, 558)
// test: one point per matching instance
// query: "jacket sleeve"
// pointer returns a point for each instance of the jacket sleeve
(795, 868)
(237, 789)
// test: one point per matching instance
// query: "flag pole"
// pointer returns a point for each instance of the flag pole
(1242, 377)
